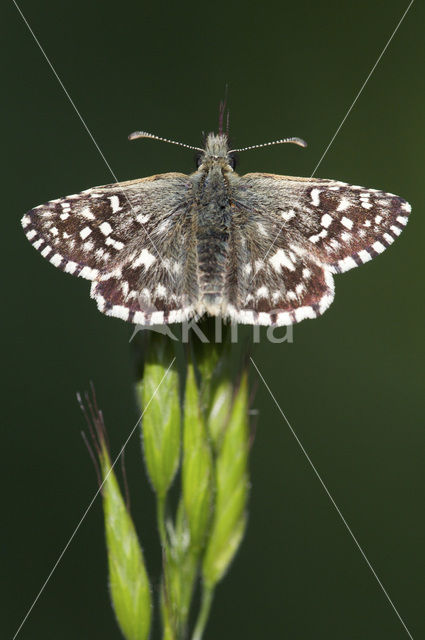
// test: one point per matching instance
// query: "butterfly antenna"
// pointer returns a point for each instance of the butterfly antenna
(298, 141)
(145, 134)
(222, 110)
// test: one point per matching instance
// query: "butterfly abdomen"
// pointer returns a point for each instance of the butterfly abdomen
(212, 238)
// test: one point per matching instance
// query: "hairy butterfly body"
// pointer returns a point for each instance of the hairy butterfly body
(257, 249)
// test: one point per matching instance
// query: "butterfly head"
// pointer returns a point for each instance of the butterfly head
(216, 152)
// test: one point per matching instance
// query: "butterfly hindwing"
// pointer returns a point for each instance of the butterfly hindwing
(271, 283)
(146, 290)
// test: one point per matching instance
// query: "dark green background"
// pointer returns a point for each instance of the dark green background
(351, 383)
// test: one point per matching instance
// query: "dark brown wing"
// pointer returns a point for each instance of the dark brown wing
(298, 232)
(128, 238)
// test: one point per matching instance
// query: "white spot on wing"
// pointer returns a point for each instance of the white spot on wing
(315, 197)
(105, 228)
(262, 292)
(71, 266)
(88, 273)
(288, 215)
(247, 269)
(145, 258)
(259, 264)
(344, 204)
(46, 251)
(115, 203)
(317, 237)
(302, 313)
(157, 317)
(402, 220)
(86, 213)
(119, 311)
(326, 220)
(347, 222)
(84, 233)
(116, 244)
(280, 259)
(347, 264)
(56, 260)
(365, 256)
(283, 319)
(164, 226)
(378, 246)
(161, 291)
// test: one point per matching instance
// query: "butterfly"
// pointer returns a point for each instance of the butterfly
(257, 248)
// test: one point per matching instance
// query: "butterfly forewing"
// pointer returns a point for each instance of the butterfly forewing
(332, 220)
(122, 236)
(86, 234)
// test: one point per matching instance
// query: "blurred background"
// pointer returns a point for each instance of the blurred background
(351, 383)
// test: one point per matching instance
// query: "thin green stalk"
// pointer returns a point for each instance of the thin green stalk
(206, 602)
(188, 573)
(160, 514)
(129, 585)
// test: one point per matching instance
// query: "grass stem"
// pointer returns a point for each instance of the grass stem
(201, 623)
